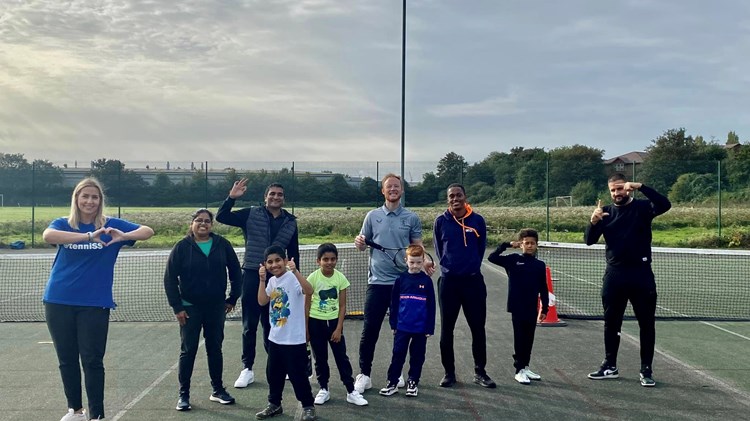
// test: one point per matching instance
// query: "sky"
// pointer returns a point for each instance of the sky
(320, 80)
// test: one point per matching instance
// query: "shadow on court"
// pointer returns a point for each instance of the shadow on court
(141, 379)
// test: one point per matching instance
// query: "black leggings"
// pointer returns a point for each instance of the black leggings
(80, 332)
(209, 318)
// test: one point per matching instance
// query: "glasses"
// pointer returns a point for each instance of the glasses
(202, 221)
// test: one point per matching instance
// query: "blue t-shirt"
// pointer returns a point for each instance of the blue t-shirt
(82, 273)
(391, 229)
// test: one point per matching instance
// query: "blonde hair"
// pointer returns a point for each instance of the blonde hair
(75, 214)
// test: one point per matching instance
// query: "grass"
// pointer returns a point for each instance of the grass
(680, 227)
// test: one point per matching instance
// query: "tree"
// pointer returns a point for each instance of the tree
(451, 169)
(692, 187)
(48, 183)
(15, 179)
(584, 193)
(673, 154)
(369, 191)
(570, 165)
(732, 138)
(123, 187)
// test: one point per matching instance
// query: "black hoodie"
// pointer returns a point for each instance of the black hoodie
(199, 279)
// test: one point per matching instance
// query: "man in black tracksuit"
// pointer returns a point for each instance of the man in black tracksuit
(262, 226)
(527, 284)
(626, 227)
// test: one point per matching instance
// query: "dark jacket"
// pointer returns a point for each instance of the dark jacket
(627, 229)
(261, 230)
(199, 279)
(413, 304)
(527, 281)
(460, 249)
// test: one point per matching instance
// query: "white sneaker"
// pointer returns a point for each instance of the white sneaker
(522, 378)
(362, 383)
(531, 375)
(356, 398)
(72, 416)
(246, 377)
(401, 382)
(322, 397)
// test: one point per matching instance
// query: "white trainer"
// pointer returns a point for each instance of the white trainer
(362, 383)
(246, 377)
(356, 398)
(322, 397)
(531, 375)
(401, 382)
(72, 416)
(522, 378)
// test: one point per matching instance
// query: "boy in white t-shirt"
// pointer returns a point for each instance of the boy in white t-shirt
(287, 350)
(325, 324)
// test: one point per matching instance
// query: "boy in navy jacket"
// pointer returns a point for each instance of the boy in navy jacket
(527, 282)
(412, 319)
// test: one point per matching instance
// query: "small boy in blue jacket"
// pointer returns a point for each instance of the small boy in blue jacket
(527, 283)
(412, 319)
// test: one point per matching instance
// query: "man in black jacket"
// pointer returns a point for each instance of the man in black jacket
(626, 227)
(262, 226)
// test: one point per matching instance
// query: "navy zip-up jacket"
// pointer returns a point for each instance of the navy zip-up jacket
(459, 250)
(413, 304)
(199, 279)
(627, 229)
(527, 281)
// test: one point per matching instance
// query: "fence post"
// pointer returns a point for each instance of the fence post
(294, 182)
(206, 186)
(718, 181)
(547, 193)
(33, 204)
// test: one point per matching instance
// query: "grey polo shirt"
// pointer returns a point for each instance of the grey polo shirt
(391, 229)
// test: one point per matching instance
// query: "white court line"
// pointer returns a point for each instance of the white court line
(745, 396)
(148, 390)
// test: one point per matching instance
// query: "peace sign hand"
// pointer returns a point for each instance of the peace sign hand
(598, 214)
(238, 188)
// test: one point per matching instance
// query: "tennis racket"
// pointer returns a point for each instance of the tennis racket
(396, 255)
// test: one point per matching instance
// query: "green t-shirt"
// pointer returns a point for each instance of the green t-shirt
(325, 299)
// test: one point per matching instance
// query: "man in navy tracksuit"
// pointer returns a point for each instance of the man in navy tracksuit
(527, 283)
(460, 238)
(412, 319)
(626, 227)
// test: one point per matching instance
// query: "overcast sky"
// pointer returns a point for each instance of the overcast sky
(320, 80)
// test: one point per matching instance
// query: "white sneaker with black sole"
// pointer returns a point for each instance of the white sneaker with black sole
(522, 378)
(356, 398)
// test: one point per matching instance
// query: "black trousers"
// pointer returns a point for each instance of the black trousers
(252, 313)
(469, 293)
(416, 345)
(524, 326)
(80, 332)
(320, 339)
(377, 302)
(289, 360)
(637, 285)
(209, 318)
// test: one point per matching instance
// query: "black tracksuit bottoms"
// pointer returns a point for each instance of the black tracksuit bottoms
(320, 339)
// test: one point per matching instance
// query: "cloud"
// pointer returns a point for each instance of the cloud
(496, 106)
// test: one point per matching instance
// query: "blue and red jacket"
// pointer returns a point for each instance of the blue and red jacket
(413, 304)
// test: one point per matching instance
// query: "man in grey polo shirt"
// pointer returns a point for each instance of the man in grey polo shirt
(391, 226)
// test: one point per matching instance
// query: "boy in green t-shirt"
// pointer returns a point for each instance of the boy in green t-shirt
(325, 324)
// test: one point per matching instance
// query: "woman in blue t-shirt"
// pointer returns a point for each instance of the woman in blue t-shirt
(78, 296)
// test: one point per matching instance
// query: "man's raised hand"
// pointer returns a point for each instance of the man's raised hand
(598, 214)
(238, 188)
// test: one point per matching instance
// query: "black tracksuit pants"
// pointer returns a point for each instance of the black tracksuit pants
(210, 318)
(470, 293)
(377, 303)
(320, 339)
(252, 313)
(636, 284)
(524, 325)
(289, 360)
(416, 345)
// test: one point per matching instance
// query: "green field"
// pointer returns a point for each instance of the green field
(680, 227)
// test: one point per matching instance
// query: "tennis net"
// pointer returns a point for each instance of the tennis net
(139, 283)
(695, 284)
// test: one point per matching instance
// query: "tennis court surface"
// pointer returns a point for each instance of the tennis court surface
(701, 372)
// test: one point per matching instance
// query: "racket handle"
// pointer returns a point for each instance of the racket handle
(373, 244)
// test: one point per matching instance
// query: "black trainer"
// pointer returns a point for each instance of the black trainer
(184, 403)
(270, 411)
(389, 389)
(484, 380)
(647, 380)
(448, 380)
(222, 397)
(605, 372)
(308, 413)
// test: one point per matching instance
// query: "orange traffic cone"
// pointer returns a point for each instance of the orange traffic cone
(551, 319)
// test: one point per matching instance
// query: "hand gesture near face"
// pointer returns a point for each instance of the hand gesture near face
(599, 213)
(515, 244)
(238, 188)
(630, 186)
(291, 267)
(262, 273)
